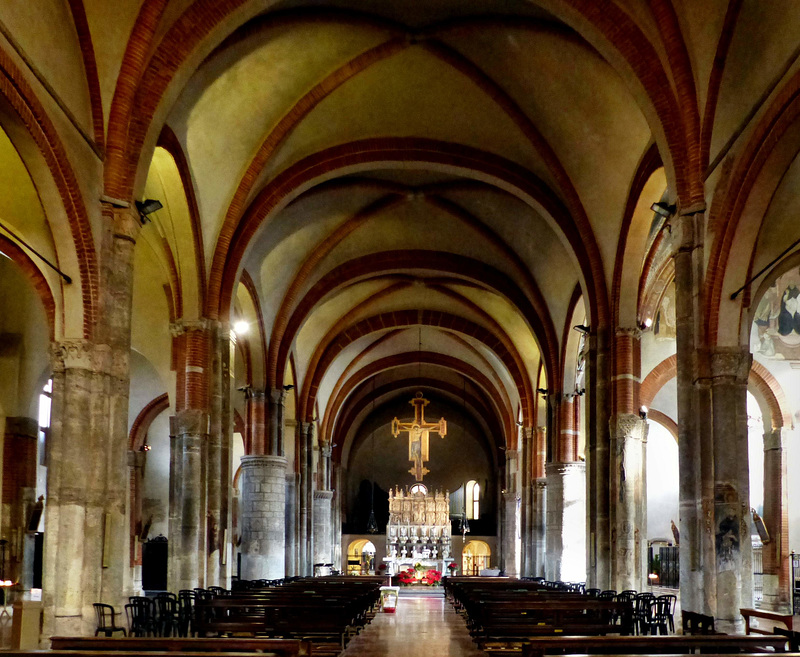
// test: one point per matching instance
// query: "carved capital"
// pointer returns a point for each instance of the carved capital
(277, 396)
(127, 224)
(73, 354)
(731, 363)
(624, 331)
(628, 426)
(181, 326)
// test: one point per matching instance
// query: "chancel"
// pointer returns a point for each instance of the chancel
(238, 236)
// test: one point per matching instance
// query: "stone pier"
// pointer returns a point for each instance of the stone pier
(263, 513)
(566, 522)
(322, 526)
(775, 554)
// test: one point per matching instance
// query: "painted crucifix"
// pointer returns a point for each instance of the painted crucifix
(418, 432)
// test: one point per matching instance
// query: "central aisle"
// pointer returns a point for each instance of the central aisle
(423, 626)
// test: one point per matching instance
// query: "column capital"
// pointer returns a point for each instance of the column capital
(731, 363)
(82, 354)
(189, 421)
(277, 396)
(323, 495)
(325, 449)
(22, 426)
(306, 427)
(628, 332)
(181, 326)
(628, 425)
(565, 469)
(773, 440)
(263, 461)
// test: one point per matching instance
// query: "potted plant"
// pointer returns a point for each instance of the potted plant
(452, 568)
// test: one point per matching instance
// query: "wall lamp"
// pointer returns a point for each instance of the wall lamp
(643, 412)
(663, 209)
(581, 328)
(288, 387)
(542, 391)
(646, 324)
(147, 207)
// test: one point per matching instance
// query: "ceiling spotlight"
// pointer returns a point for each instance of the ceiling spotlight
(663, 209)
(643, 412)
(147, 207)
(241, 327)
(581, 328)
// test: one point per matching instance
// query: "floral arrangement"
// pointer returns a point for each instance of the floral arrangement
(452, 567)
(410, 576)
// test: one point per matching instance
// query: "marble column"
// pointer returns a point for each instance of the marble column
(629, 536)
(263, 502)
(566, 522)
(776, 519)
(730, 368)
(322, 526)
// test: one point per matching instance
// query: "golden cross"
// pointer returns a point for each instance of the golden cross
(418, 432)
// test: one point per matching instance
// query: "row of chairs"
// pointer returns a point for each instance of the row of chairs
(652, 614)
(164, 615)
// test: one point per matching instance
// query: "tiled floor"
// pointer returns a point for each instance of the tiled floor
(423, 626)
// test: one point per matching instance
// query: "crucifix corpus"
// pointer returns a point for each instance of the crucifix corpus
(418, 432)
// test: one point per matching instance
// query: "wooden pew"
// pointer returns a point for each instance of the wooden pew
(651, 645)
(150, 645)
(761, 614)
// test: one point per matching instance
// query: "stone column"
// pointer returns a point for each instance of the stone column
(539, 527)
(87, 538)
(136, 462)
(188, 511)
(566, 522)
(776, 519)
(291, 524)
(730, 368)
(511, 516)
(629, 494)
(526, 510)
(218, 474)
(695, 441)
(322, 526)
(277, 399)
(19, 496)
(598, 405)
(263, 513)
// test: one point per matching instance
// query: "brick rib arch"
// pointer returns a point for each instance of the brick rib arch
(35, 276)
(497, 397)
(470, 161)
(24, 103)
(760, 379)
(141, 424)
(725, 216)
(330, 348)
(376, 264)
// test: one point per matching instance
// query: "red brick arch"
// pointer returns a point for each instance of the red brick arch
(24, 103)
(760, 381)
(330, 349)
(35, 276)
(498, 400)
(472, 162)
(376, 264)
(141, 425)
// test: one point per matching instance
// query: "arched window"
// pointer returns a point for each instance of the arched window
(419, 489)
(473, 500)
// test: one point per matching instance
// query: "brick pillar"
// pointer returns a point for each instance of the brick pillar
(277, 399)
(263, 503)
(776, 518)
(539, 502)
(730, 368)
(19, 495)
(256, 422)
(566, 522)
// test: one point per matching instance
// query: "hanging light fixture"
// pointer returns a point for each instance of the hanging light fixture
(372, 524)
